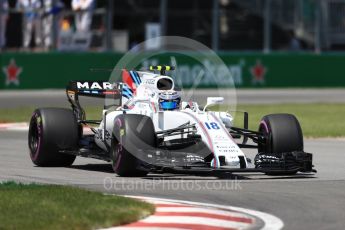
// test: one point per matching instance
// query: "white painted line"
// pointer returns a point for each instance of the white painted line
(20, 126)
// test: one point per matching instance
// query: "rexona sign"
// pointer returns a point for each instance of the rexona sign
(236, 71)
(205, 73)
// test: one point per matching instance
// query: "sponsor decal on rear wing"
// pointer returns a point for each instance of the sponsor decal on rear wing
(94, 89)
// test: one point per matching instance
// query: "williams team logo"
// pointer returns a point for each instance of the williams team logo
(12, 72)
(258, 72)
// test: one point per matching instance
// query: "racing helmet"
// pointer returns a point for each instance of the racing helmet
(169, 100)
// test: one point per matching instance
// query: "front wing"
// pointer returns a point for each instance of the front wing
(286, 163)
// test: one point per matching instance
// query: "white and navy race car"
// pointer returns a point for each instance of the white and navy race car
(147, 128)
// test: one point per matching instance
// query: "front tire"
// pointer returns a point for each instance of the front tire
(283, 134)
(132, 133)
(52, 130)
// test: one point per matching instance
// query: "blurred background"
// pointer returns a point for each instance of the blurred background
(240, 25)
(264, 43)
(223, 25)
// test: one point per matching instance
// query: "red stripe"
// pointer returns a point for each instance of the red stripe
(176, 225)
(206, 215)
(172, 206)
(153, 106)
(126, 78)
(110, 92)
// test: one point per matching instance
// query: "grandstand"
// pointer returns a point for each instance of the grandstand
(225, 25)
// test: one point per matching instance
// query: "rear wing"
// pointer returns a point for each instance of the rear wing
(99, 89)
(94, 89)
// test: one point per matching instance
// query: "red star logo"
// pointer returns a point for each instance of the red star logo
(258, 72)
(12, 72)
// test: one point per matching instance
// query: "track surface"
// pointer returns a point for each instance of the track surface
(41, 98)
(302, 202)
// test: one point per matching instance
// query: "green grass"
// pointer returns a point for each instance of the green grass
(317, 120)
(59, 207)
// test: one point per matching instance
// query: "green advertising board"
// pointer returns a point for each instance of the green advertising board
(51, 70)
(248, 70)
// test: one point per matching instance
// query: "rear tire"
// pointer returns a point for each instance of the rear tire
(131, 132)
(52, 130)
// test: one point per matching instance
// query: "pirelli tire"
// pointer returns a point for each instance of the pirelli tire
(132, 133)
(283, 134)
(52, 130)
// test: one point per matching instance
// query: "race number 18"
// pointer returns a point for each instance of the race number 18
(212, 125)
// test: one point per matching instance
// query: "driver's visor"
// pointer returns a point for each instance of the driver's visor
(168, 105)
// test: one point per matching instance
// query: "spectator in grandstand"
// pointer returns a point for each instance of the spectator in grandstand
(50, 8)
(295, 44)
(31, 21)
(83, 17)
(3, 21)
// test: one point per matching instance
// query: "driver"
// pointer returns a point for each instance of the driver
(169, 100)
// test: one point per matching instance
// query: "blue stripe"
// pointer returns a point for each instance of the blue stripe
(127, 94)
(137, 75)
(134, 78)
(127, 89)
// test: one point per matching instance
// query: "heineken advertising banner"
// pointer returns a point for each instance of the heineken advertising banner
(54, 70)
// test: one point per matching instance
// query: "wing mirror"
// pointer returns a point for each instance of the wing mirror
(213, 101)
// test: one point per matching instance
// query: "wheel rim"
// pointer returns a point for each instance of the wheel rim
(116, 156)
(264, 147)
(34, 139)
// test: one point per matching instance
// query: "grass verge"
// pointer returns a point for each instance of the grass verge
(317, 120)
(59, 207)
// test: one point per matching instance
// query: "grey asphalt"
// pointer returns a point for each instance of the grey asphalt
(43, 98)
(302, 201)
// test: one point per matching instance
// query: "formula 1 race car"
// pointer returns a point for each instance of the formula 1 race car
(147, 128)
